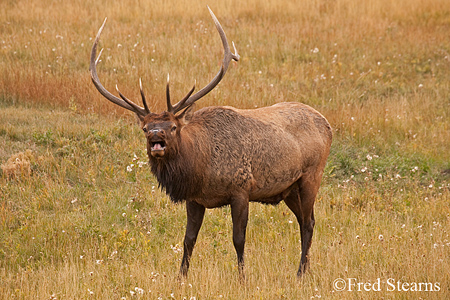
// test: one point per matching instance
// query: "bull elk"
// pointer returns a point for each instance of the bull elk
(222, 155)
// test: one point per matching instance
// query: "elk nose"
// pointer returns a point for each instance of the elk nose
(155, 131)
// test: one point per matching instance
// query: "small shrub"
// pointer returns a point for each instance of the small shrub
(18, 165)
(45, 138)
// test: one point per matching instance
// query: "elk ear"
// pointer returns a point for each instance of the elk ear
(186, 116)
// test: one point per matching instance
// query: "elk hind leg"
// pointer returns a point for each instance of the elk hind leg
(301, 202)
(239, 215)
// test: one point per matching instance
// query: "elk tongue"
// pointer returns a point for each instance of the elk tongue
(157, 146)
(158, 149)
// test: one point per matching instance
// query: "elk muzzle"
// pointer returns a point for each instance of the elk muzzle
(156, 142)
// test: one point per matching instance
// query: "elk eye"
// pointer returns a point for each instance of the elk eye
(145, 129)
(174, 128)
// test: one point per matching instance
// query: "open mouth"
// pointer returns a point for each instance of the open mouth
(159, 145)
(157, 148)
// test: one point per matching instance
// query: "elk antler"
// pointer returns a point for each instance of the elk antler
(188, 100)
(124, 102)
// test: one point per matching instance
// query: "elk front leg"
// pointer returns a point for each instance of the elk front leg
(239, 216)
(195, 214)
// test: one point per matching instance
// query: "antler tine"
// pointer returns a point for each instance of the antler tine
(228, 57)
(228, 54)
(177, 106)
(147, 110)
(140, 111)
(135, 107)
(169, 105)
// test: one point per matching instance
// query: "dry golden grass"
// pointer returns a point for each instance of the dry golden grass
(88, 221)
(18, 165)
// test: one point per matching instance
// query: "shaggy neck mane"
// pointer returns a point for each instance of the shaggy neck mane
(176, 174)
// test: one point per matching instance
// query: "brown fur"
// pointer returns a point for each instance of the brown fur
(226, 156)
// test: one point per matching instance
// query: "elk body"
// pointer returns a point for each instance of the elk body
(220, 156)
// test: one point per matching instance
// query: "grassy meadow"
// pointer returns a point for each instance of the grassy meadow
(81, 215)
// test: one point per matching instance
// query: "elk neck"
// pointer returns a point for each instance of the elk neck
(180, 172)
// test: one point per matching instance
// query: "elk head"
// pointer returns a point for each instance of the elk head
(162, 129)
